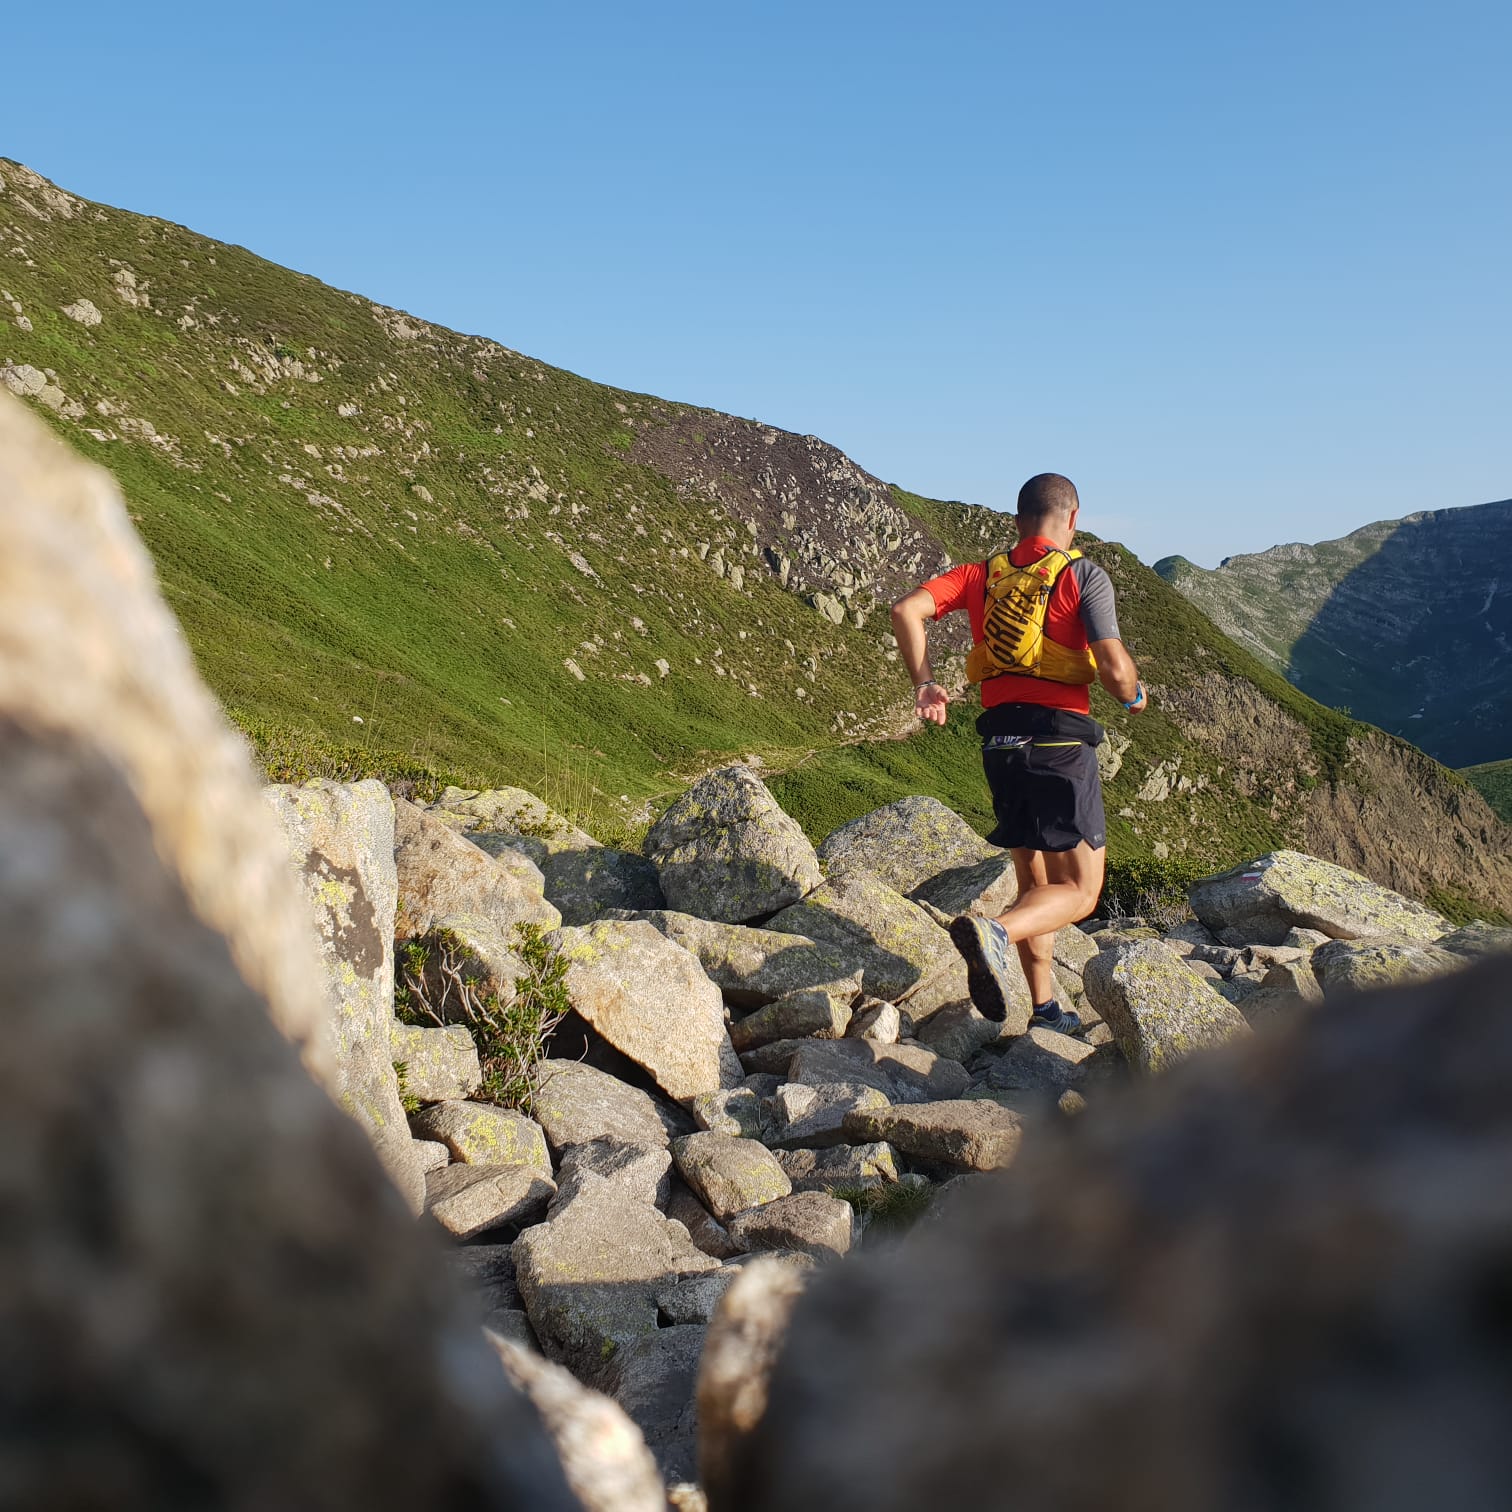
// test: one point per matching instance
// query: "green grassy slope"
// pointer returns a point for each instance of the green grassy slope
(1493, 780)
(425, 562)
(402, 551)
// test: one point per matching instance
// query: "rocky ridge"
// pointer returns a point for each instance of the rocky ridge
(1347, 621)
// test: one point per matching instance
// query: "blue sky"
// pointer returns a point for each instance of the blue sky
(1241, 272)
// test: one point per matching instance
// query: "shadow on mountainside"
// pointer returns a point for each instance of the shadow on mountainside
(1418, 638)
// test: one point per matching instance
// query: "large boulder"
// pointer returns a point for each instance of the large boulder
(341, 847)
(1477, 940)
(986, 888)
(1378, 963)
(970, 1135)
(481, 1134)
(752, 966)
(1158, 1010)
(575, 1103)
(863, 1165)
(902, 1073)
(1264, 899)
(652, 1001)
(438, 1063)
(805, 1223)
(203, 1253)
(590, 1274)
(894, 942)
(728, 1173)
(957, 1031)
(820, 1012)
(905, 843)
(1040, 1060)
(640, 1172)
(461, 908)
(471, 1199)
(725, 850)
(88, 648)
(443, 876)
(731, 1110)
(582, 879)
(585, 884)
(802, 1117)
(537, 831)
(1281, 1218)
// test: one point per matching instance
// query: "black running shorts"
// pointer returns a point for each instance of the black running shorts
(1046, 792)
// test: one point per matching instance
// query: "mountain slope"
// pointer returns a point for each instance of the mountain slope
(1493, 781)
(399, 549)
(1407, 622)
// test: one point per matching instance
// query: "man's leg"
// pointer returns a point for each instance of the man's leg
(1073, 882)
(1037, 952)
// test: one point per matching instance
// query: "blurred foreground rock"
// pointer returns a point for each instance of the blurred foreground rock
(1274, 1278)
(88, 648)
(210, 1294)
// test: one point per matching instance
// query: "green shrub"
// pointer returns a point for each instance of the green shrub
(1150, 887)
(437, 986)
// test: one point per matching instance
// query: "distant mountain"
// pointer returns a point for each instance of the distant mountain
(1406, 623)
(400, 550)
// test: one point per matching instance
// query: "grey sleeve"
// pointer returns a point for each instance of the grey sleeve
(1098, 614)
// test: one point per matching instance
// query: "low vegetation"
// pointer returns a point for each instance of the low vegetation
(1493, 780)
(437, 987)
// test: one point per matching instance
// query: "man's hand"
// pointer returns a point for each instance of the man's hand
(930, 703)
(1118, 674)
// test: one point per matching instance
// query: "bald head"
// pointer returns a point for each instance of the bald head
(1047, 499)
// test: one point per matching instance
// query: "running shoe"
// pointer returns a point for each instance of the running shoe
(985, 947)
(1053, 1016)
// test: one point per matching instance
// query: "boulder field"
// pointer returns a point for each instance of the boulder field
(771, 1065)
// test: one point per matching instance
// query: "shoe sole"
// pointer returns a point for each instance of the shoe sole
(981, 981)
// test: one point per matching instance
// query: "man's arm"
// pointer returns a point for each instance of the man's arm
(1115, 667)
(910, 616)
(1118, 674)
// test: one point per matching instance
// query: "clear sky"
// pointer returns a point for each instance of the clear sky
(1243, 272)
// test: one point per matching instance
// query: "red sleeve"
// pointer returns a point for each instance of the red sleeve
(956, 589)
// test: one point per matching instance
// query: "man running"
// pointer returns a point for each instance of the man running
(1038, 747)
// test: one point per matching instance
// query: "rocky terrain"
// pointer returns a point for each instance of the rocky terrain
(1407, 623)
(776, 1220)
(770, 1051)
(404, 552)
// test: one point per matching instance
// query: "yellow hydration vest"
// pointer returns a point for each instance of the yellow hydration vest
(1013, 626)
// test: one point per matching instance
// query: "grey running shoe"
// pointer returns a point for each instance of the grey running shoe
(985, 947)
(1062, 1020)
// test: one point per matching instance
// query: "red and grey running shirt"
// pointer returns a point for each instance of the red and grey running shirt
(1081, 610)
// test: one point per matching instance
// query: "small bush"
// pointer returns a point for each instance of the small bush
(1149, 888)
(407, 1099)
(436, 987)
(892, 1208)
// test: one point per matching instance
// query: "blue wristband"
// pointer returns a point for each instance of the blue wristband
(1139, 692)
